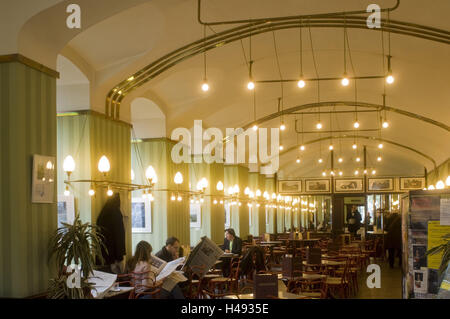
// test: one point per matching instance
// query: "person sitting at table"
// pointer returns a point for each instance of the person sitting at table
(231, 244)
(170, 251)
(141, 264)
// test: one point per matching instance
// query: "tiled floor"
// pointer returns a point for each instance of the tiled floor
(391, 283)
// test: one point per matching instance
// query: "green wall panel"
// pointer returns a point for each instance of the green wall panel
(27, 127)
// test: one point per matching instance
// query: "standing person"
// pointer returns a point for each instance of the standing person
(141, 263)
(170, 251)
(393, 239)
(354, 220)
(111, 226)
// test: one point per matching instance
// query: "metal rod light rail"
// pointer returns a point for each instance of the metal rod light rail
(266, 20)
(118, 93)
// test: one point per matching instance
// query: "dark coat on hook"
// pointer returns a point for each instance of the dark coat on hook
(111, 222)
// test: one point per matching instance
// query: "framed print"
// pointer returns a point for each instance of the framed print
(348, 185)
(289, 187)
(196, 212)
(317, 186)
(43, 179)
(141, 215)
(66, 210)
(409, 183)
(381, 184)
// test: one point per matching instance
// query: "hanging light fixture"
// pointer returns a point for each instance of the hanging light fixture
(282, 126)
(379, 158)
(380, 146)
(302, 148)
(331, 147)
(205, 85)
(358, 159)
(320, 160)
(301, 82)
(340, 160)
(150, 174)
(109, 192)
(319, 125)
(298, 160)
(440, 185)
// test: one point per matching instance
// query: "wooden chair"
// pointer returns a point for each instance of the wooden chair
(339, 281)
(223, 284)
(140, 290)
(195, 282)
(308, 287)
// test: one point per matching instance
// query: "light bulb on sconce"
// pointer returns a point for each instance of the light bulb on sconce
(150, 174)
(66, 191)
(103, 165)
(69, 165)
(219, 186)
(178, 179)
(379, 158)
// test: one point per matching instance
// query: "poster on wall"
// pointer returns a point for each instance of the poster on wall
(43, 179)
(436, 237)
(348, 185)
(421, 281)
(195, 215)
(381, 184)
(141, 221)
(289, 187)
(411, 183)
(317, 186)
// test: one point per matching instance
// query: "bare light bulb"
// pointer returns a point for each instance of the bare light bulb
(91, 192)
(324, 174)
(255, 127)
(356, 124)
(354, 146)
(379, 158)
(281, 147)
(301, 84)
(345, 81)
(67, 192)
(205, 87)
(374, 172)
(390, 79)
(331, 147)
(340, 173)
(250, 85)
(282, 127)
(340, 160)
(320, 160)
(356, 172)
(298, 161)
(358, 159)
(380, 146)
(179, 198)
(440, 185)
(319, 126)
(385, 124)
(103, 165)
(109, 192)
(302, 148)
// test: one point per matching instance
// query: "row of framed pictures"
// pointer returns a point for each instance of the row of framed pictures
(351, 185)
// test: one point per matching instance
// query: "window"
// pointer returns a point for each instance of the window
(195, 215)
(227, 214)
(141, 221)
(66, 210)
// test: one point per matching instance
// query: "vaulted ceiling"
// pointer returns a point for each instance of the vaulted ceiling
(119, 46)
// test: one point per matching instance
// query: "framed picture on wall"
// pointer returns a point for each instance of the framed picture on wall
(196, 215)
(66, 210)
(381, 184)
(141, 221)
(409, 183)
(317, 186)
(289, 187)
(43, 179)
(349, 185)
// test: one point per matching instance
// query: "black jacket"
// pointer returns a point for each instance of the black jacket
(354, 227)
(111, 226)
(165, 255)
(237, 245)
(255, 254)
(393, 237)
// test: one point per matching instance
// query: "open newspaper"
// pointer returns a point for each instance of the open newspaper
(206, 253)
(102, 283)
(167, 271)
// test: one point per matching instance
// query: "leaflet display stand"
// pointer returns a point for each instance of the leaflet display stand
(424, 223)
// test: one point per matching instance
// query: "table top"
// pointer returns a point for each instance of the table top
(371, 232)
(229, 255)
(281, 295)
(275, 242)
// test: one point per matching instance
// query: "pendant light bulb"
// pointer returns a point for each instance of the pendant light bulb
(331, 147)
(301, 83)
(358, 159)
(104, 165)
(356, 124)
(282, 127)
(319, 126)
(69, 165)
(380, 146)
(385, 124)
(302, 148)
(379, 158)
(251, 85)
(390, 79)
(345, 81)
(320, 160)
(354, 146)
(340, 160)
(91, 191)
(219, 186)
(281, 147)
(255, 127)
(205, 86)
(298, 161)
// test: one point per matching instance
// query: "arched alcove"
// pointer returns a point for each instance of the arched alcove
(72, 93)
(147, 118)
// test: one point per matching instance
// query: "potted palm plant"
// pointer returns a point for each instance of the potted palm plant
(74, 244)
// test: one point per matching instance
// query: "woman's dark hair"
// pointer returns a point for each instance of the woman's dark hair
(231, 232)
(171, 241)
(143, 252)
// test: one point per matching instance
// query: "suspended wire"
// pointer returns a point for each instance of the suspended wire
(279, 69)
(315, 68)
(204, 53)
(301, 49)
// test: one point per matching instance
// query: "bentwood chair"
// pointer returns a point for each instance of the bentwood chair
(340, 281)
(140, 290)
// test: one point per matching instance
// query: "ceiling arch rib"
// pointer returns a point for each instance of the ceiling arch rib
(295, 147)
(118, 93)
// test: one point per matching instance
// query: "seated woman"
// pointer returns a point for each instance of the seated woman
(141, 263)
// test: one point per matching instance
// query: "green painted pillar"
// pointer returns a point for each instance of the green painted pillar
(271, 227)
(27, 127)
(212, 212)
(168, 218)
(238, 175)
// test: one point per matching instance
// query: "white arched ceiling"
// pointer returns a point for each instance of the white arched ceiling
(156, 28)
(147, 118)
(72, 92)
